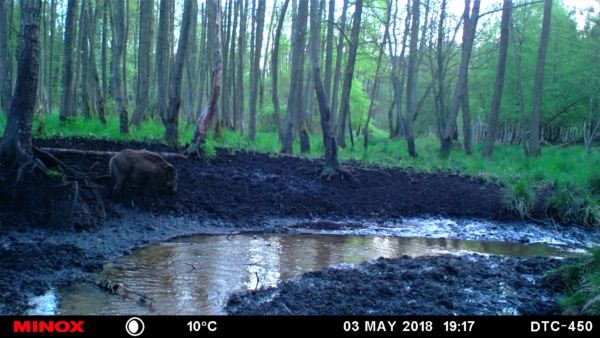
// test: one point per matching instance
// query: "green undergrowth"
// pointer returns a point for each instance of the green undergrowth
(569, 176)
(581, 281)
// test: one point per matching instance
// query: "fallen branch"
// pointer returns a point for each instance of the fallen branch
(101, 152)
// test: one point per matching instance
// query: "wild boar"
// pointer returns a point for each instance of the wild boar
(142, 168)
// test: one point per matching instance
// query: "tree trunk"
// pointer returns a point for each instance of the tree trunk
(440, 93)
(255, 68)
(104, 58)
(329, 48)
(294, 106)
(349, 73)
(397, 127)
(238, 122)
(118, 28)
(5, 61)
(96, 97)
(331, 159)
(68, 82)
(225, 118)
(163, 58)
(144, 54)
(50, 78)
(275, 70)
(84, 21)
(232, 75)
(467, 128)
(191, 71)
(338, 64)
(263, 73)
(470, 18)
(411, 80)
(377, 68)
(15, 147)
(499, 85)
(536, 114)
(172, 118)
(204, 120)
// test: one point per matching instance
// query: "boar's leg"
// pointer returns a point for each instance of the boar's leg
(119, 185)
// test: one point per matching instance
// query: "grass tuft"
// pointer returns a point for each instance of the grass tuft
(582, 282)
(518, 198)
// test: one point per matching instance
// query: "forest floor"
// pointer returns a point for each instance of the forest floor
(238, 191)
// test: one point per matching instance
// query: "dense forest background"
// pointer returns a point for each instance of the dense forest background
(424, 68)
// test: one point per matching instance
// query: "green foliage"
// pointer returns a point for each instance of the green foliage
(571, 172)
(594, 184)
(79, 126)
(2, 120)
(208, 149)
(582, 281)
(54, 174)
(518, 198)
(359, 104)
(571, 203)
(570, 70)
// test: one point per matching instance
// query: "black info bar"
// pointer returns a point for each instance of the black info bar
(351, 326)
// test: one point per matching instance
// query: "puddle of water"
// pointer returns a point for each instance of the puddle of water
(196, 275)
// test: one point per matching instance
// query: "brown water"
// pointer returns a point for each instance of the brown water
(196, 275)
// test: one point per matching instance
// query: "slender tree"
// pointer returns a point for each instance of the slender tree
(171, 119)
(104, 56)
(144, 60)
(294, 106)
(238, 121)
(50, 77)
(499, 85)
(331, 158)
(204, 120)
(84, 50)
(118, 47)
(536, 114)
(399, 75)
(377, 69)
(470, 18)
(349, 73)
(329, 48)
(68, 82)
(275, 70)
(163, 57)
(338, 63)
(411, 80)
(5, 60)
(255, 68)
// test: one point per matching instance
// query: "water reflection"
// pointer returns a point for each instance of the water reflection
(195, 275)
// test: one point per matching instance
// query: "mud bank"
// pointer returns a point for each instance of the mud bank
(233, 192)
(438, 285)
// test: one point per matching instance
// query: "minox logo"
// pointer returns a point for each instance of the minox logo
(48, 326)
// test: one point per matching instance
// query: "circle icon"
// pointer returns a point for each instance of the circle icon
(134, 326)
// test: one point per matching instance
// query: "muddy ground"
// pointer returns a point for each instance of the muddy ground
(238, 191)
(438, 285)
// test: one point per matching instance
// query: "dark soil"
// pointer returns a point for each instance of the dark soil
(245, 186)
(435, 285)
(233, 191)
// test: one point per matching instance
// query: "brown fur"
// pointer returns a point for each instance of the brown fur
(142, 168)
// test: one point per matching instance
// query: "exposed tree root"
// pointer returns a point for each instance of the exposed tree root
(44, 190)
